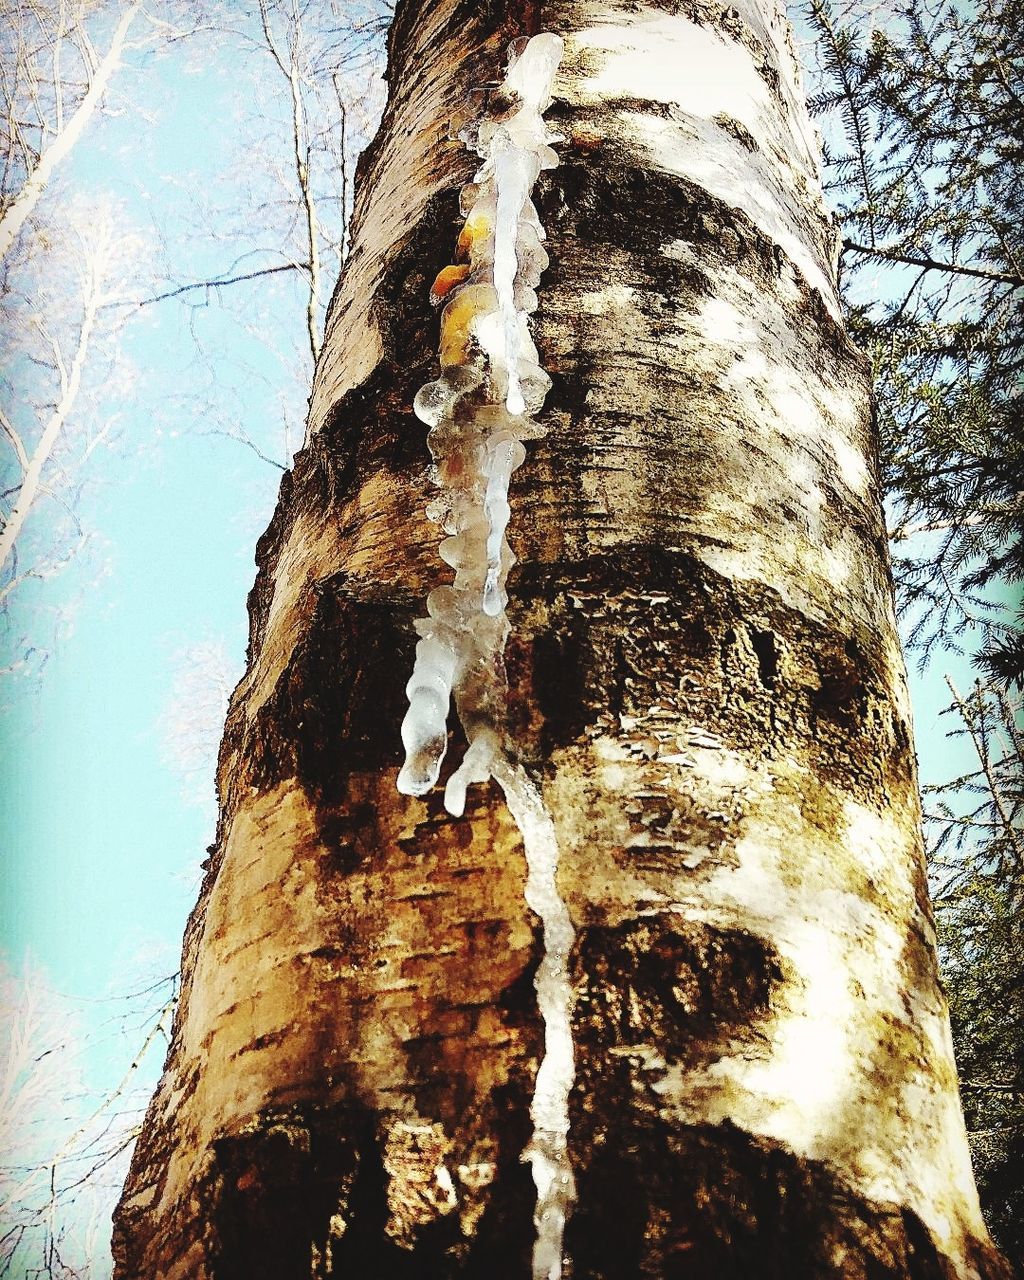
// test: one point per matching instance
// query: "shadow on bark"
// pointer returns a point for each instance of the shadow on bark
(303, 1195)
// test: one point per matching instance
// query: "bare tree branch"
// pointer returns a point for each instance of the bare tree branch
(25, 201)
(31, 484)
(216, 283)
(301, 154)
(19, 446)
(1012, 832)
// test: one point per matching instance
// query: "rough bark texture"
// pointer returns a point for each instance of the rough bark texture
(706, 680)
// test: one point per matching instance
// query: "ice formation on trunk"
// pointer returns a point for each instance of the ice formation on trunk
(548, 1152)
(479, 413)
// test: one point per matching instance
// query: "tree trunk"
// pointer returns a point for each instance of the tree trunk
(704, 684)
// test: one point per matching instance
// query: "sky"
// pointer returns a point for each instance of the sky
(101, 830)
(100, 837)
(101, 834)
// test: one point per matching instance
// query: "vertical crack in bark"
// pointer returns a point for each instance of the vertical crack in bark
(480, 411)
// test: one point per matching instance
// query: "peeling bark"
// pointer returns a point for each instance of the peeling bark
(705, 683)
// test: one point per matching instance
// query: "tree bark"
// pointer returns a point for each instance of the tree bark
(705, 683)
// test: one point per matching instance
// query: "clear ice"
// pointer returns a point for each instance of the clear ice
(548, 1152)
(479, 411)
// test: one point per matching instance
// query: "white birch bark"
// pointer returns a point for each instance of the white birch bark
(705, 690)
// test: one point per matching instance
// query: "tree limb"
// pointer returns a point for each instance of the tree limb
(25, 201)
(32, 481)
(19, 448)
(933, 264)
(215, 284)
(982, 753)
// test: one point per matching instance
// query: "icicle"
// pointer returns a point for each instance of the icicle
(506, 453)
(548, 1151)
(424, 730)
(479, 412)
(515, 172)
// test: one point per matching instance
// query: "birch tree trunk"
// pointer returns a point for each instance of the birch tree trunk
(706, 685)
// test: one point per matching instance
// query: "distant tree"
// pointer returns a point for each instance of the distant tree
(974, 826)
(924, 156)
(63, 1151)
(312, 70)
(927, 180)
(982, 922)
(65, 262)
(204, 673)
(61, 392)
(52, 83)
(58, 60)
(274, 231)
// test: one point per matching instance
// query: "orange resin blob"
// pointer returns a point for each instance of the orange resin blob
(474, 300)
(477, 228)
(446, 281)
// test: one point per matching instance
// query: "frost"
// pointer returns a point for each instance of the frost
(479, 413)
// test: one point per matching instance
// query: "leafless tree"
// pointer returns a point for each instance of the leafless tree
(280, 219)
(63, 1151)
(193, 719)
(65, 262)
(53, 80)
(60, 393)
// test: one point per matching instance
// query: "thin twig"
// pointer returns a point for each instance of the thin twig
(986, 765)
(214, 284)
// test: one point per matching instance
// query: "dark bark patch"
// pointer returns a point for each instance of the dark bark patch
(643, 626)
(336, 707)
(446, 1054)
(715, 1203)
(630, 205)
(303, 1194)
(371, 427)
(661, 981)
(841, 695)
(341, 833)
(280, 1185)
(267, 1041)
(763, 643)
(268, 549)
(736, 130)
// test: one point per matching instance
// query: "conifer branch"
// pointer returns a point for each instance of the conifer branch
(934, 264)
